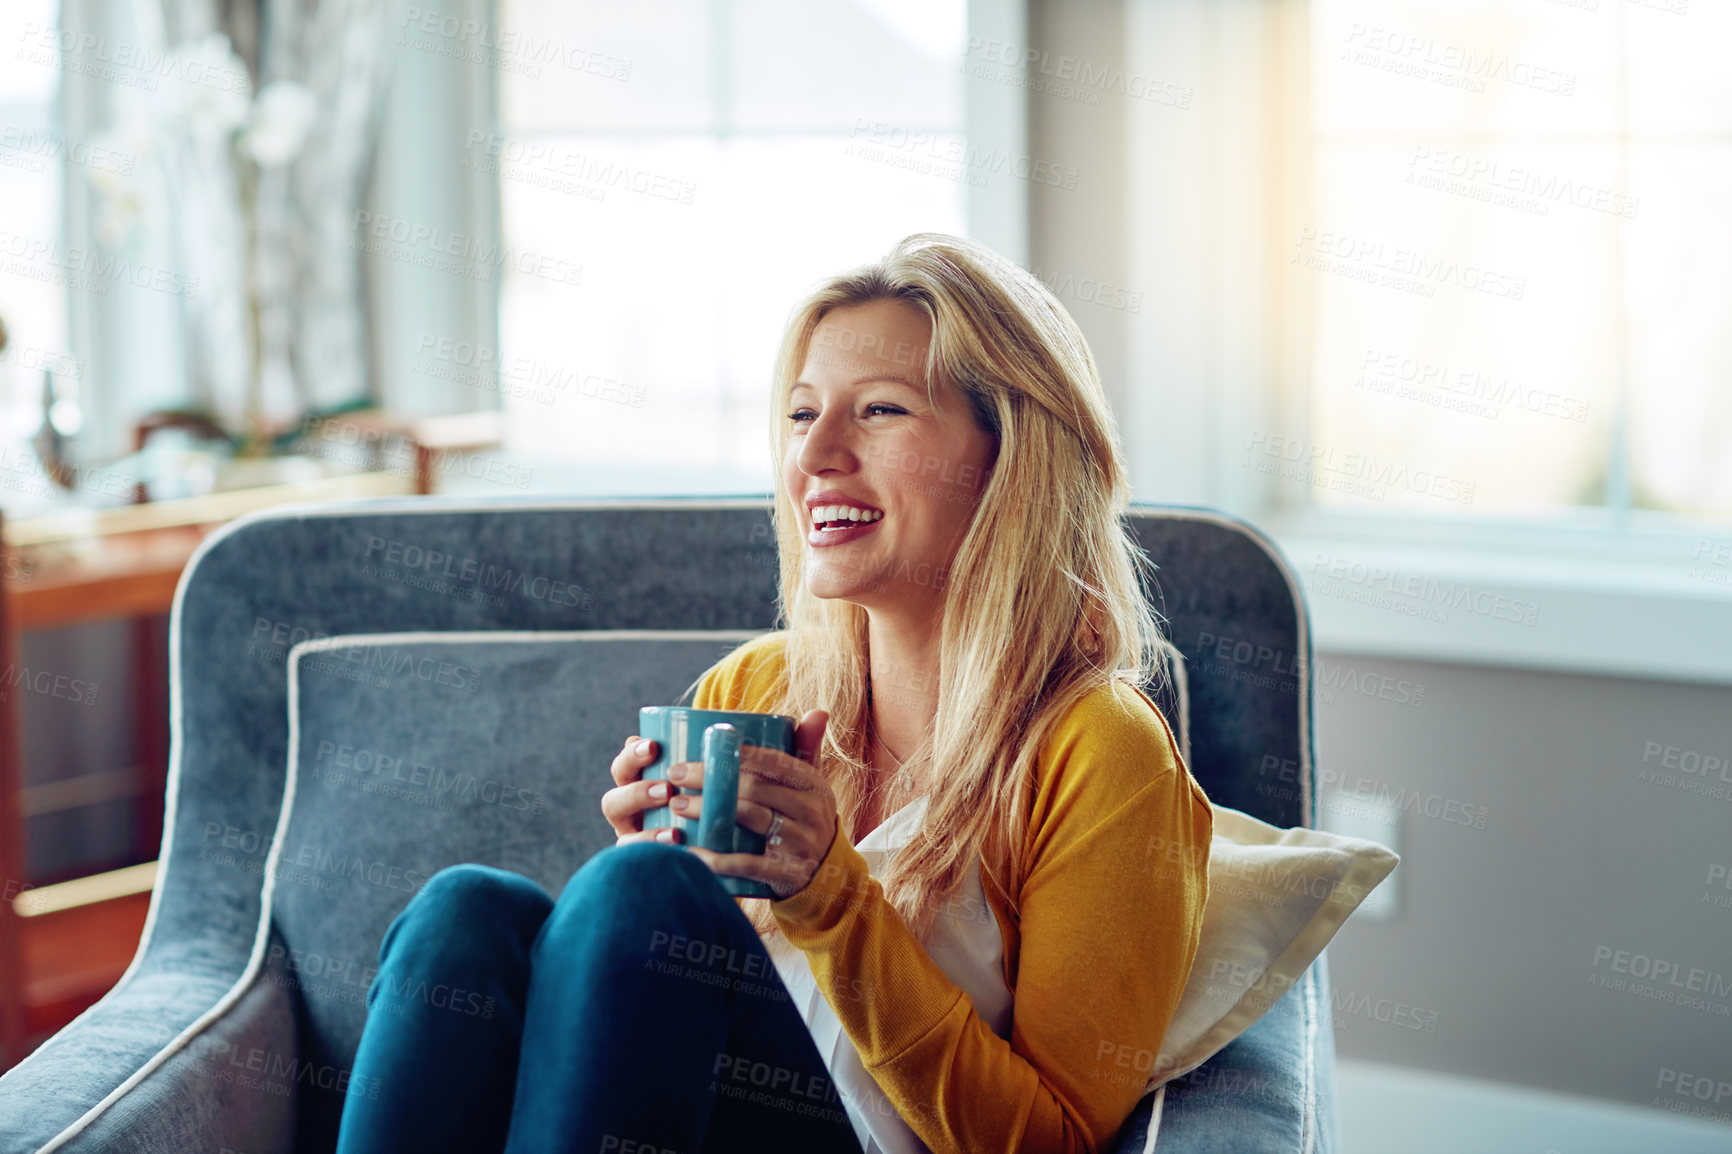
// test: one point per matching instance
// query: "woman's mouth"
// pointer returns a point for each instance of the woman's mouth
(839, 530)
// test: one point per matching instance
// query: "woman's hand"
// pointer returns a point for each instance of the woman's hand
(623, 805)
(771, 783)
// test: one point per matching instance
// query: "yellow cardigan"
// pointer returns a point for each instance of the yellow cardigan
(1117, 853)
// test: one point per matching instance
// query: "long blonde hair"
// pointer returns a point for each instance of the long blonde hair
(1042, 602)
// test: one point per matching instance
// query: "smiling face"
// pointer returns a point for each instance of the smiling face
(864, 434)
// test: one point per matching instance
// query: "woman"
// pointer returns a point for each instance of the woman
(970, 932)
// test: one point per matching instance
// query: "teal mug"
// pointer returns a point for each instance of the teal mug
(714, 737)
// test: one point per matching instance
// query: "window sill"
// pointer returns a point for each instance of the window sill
(1647, 600)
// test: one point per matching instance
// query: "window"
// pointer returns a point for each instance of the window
(674, 176)
(1479, 432)
(33, 294)
(1516, 260)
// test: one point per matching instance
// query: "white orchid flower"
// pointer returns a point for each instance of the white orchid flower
(206, 85)
(282, 116)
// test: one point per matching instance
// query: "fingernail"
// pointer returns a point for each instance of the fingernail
(676, 772)
(665, 835)
(659, 790)
(643, 748)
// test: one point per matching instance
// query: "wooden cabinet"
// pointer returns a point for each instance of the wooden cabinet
(63, 946)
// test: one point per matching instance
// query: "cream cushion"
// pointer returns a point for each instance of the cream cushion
(1276, 897)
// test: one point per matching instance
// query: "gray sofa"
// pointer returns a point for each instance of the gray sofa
(366, 692)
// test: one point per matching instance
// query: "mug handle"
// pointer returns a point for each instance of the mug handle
(716, 825)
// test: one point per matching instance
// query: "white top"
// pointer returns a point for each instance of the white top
(968, 949)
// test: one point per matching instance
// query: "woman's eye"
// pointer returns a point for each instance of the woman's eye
(797, 414)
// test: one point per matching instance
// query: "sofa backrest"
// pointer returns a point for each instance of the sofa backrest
(1234, 609)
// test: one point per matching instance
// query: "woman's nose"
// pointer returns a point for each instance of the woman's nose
(827, 444)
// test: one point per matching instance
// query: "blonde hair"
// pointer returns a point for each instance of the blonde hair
(1053, 607)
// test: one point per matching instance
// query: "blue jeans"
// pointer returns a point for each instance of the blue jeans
(638, 1013)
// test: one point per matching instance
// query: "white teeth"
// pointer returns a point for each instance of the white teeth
(825, 513)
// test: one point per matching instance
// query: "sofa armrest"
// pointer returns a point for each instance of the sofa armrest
(122, 1078)
(1269, 1091)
